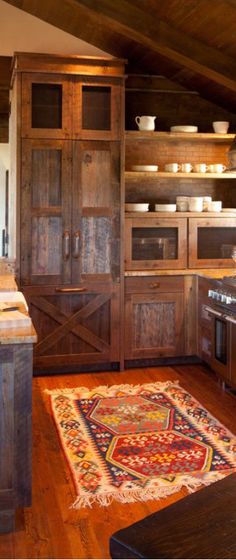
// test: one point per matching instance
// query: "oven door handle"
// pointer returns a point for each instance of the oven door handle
(230, 319)
(214, 312)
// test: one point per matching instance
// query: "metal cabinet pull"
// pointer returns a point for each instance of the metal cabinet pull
(76, 238)
(155, 285)
(71, 290)
(66, 245)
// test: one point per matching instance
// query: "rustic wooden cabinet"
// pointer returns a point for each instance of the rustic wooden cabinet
(69, 119)
(155, 242)
(154, 317)
(15, 430)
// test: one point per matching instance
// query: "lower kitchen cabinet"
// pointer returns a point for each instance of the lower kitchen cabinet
(15, 427)
(75, 325)
(154, 317)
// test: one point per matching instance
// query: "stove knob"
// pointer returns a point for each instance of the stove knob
(228, 300)
(223, 298)
(210, 293)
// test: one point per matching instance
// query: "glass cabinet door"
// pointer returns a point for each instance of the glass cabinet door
(97, 109)
(45, 212)
(155, 243)
(46, 110)
(211, 242)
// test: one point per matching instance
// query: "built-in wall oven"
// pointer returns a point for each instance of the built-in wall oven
(221, 311)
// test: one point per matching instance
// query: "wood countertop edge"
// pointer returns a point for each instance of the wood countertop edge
(22, 335)
(214, 273)
(8, 283)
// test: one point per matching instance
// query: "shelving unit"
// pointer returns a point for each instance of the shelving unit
(173, 136)
(137, 175)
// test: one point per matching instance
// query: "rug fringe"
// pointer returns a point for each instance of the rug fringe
(86, 392)
(144, 494)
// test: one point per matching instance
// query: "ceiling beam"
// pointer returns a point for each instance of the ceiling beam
(138, 25)
(100, 22)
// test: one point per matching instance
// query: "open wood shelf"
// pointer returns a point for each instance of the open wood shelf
(137, 175)
(173, 136)
(180, 214)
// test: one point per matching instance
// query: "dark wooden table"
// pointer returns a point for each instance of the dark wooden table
(202, 525)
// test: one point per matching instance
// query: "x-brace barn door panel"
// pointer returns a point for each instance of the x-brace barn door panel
(75, 326)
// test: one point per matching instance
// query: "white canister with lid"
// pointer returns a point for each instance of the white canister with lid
(196, 203)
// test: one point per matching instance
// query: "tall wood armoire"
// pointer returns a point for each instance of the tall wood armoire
(67, 138)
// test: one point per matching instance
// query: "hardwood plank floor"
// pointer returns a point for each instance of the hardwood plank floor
(50, 528)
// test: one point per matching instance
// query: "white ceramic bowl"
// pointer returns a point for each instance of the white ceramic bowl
(165, 207)
(184, 128)
(137, 207)
(144, 167)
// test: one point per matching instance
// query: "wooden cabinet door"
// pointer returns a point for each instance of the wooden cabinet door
(152, 243)
(211, 242)
(154, 325)
(98, 109)
(77, 325)
(96, 211)
(45, 212)
(46, 106)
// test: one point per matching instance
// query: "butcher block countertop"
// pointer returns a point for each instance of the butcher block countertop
(206, 272)
(7, 283)
(11, 297)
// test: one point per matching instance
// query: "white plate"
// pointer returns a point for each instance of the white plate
(144, 167)
(184, 128)
(165, 207)
(137, 207)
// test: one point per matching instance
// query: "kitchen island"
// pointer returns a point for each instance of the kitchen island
(15, 408)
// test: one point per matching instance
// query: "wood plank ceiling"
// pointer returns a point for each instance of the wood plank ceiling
(190, 42)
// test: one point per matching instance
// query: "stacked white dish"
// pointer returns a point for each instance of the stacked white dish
(136, 207)
(144, 167)
(165, 207)
(184, 128)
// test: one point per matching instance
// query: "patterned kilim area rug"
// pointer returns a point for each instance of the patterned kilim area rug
(133, 443)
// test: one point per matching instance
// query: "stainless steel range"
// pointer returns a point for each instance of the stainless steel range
(224, 295)
(221, 308)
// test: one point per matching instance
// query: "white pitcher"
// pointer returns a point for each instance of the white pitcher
(145, 122)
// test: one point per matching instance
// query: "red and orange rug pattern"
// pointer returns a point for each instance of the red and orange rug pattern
(139, 442)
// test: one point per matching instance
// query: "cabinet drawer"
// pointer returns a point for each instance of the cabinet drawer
(154, 284)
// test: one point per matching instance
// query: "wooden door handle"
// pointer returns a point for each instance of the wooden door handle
(76, 238)
(66, 245)
(71, 290)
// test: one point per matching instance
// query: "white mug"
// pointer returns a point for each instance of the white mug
(215, 206)
(200, 167)
(172, 167)
(145, 122)
(186, 167)
(216, 168)
(220, 127)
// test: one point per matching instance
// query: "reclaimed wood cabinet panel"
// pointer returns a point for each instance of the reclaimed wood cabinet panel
(154, 325)
(75, 325)
(70, 211)
(15, 431)
(45, 212)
